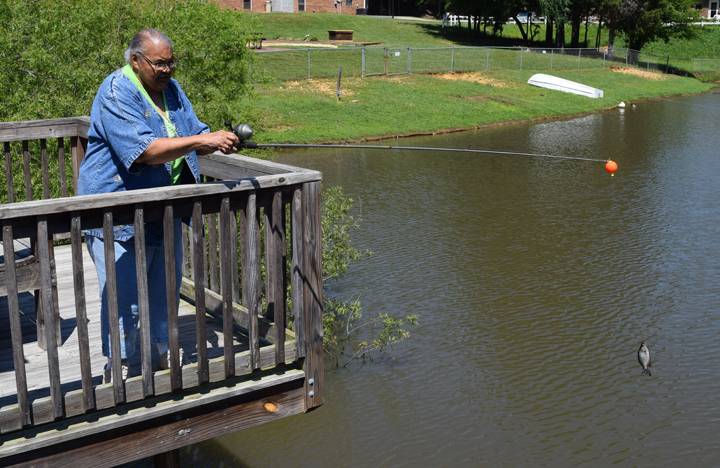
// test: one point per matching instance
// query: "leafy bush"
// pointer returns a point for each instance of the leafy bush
(346, 334)
(55, 54)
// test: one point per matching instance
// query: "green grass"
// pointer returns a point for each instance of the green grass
(315, 26)
(376, 107)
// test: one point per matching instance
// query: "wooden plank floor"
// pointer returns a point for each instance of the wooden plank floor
(68, 352)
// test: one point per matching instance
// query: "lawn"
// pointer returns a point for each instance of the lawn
(309, 111)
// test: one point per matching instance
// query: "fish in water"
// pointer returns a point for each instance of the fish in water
(644, 358)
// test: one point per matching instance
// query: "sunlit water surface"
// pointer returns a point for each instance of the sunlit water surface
(534, 281)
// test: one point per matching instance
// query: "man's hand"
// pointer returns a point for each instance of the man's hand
(222, 140)
(163, 150)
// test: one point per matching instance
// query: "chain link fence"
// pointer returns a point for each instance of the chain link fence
(312, 63)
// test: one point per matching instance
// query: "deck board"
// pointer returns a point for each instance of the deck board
(68, 349)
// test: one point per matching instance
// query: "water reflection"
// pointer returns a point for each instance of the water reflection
(535, 281)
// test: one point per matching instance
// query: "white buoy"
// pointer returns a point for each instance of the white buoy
(621, 105)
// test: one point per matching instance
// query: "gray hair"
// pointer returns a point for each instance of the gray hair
(137, 43)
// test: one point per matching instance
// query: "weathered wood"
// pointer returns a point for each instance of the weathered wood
(27, 176)
(81, 314)
(296, 270)
(45, 169)
(55, 300)
(15, 327)
(198, 262)
(160, 407)
(236, 264)
(77, 150)
(48, 313)
(61, 167)
(224, 166)
(227, 263)
(11, 419)
(43, 410)
(213, 264)
(187, 253)
(275, 268)
(251, 275)
(171, 297)
(214, 307)
(111, 295)
(118, 200)
(27, 275)
(9, 173)
(36, 129)
(169, 459)
(143, 300)
(312, 296)
(194, 427)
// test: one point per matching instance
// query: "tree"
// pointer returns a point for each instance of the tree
(643, 21)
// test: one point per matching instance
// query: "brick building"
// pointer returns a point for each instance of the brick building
(346, 7)
(709, 9)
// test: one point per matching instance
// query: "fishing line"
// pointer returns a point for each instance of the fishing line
(416, 148)
(244, 133)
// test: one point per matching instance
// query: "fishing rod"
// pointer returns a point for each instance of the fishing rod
(244, 133)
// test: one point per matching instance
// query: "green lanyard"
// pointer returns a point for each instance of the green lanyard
(177, 164)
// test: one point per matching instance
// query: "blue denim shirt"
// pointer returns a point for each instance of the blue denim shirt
(122, 126)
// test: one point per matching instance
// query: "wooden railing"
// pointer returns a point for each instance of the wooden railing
(249, 212)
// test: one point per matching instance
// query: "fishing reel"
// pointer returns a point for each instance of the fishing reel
(244, 132)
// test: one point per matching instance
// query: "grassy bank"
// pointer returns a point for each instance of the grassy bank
(308, 111)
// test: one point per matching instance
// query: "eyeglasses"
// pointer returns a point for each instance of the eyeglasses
(168, 65)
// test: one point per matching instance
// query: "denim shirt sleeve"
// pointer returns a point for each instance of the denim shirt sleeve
(124, 115)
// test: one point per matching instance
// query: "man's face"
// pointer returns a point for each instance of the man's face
(155, 65)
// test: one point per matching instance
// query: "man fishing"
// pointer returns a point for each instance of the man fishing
(143, 134)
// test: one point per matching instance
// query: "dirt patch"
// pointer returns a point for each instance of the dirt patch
(474, 77)
(641, 73)
(324, 87)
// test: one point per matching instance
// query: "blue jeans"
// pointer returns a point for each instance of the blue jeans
(127, 293)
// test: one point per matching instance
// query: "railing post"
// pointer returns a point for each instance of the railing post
(198, 263)
(15, 326)
(409, 60)
(552, 55)
(9, 172)
(112, 307)
(78, 146)
(275, 268)
(487, 59)
(143, 301)
(251, 276)
(452, 60)
(81, 313)
(228, 262)
(312, 296)
(297, 271)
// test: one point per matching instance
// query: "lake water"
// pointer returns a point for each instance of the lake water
(534, 281)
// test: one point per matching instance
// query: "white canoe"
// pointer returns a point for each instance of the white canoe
(560, 84)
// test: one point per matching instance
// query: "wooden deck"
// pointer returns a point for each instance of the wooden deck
(249, 321)
(36, 364)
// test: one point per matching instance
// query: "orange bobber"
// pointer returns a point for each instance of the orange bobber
(611, 167)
